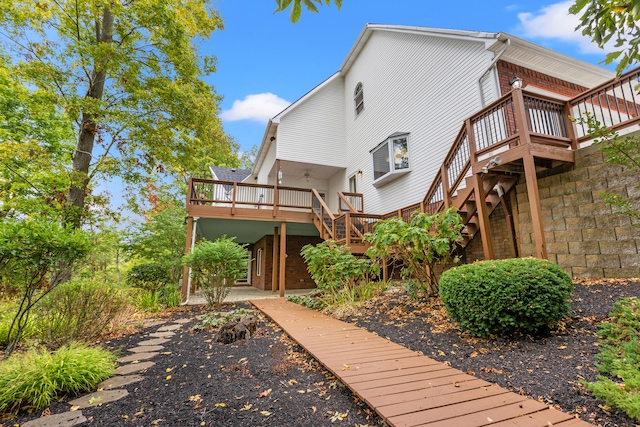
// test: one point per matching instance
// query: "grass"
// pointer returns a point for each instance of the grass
(343, 298)
(619, 359)
(32, 380)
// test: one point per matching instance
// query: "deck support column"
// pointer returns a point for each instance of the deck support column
(283, 256)
(483, 217)
(274, 262)
(534, 205)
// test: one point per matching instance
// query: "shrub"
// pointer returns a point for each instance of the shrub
(215, 267)
(422, 244)
(80, 310)
(151, 276)
(491, 297)
(34, 379)
(333, 266)
(619, 357)
(148, 301)
(170, 296)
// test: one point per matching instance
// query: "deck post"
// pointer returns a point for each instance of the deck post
(444, 179)
(274, 262)
(187, 248)
(283, 256)
(534, 205)
(572, 133)
(483, 217)
(276, 192)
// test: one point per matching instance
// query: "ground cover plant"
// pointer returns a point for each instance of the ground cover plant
(619, 359)
(505, 296)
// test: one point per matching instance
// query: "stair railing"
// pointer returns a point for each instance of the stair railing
(323, 216)
(350, 202)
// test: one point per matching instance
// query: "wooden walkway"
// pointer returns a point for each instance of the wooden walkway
(402, 386)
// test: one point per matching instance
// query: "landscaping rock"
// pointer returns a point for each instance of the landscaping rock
(166, 334)
(237, 330)
(152, 323)
(155, 341)
(133, 367)
(65, 419)
(119, 381)
(98, 398)
(169, 328)
(137, 356)
(146, 348)
(182, 321)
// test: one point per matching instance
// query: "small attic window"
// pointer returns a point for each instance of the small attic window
(358, 99)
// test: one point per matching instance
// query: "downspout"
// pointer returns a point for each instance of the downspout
(507, 43)
(193, 242)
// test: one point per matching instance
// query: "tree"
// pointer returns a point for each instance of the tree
(128, 77)
(296, 6)
(602, 20)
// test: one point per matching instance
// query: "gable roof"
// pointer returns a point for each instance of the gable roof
(229, 174)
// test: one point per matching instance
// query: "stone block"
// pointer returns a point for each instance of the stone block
(628, 233)
(580, 223)
(591, 185)
(603, 261)
(526, 227)
(549, 237)
(603, 171)
(577, 199)
(612, 221)
(630, 261)
(119, 381)
(562, 189)
(568, 270)
(524, 216)
(522, 197)
(587, 272)
(98, 398)
(552, 257)
(622, 272)
(549, 181)
(555, 225)
(588, 151)
(528, 249)
(546, 215)
(551, 202)
(575, 175)
(598, 234)
(594, 209)
(521, 188)
(564, 212)
(524, 238)
(584, 248)
(566, 260)
(589, 160)
(618, 247)
(558, 247)
(568, 236)
(63, 419)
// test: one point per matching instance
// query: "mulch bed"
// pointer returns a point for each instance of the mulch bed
(547, 368)
(269, 381)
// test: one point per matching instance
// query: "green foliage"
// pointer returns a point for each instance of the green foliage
(148, 301)
(495, 297)
(296, 6)
(36, 378)
(421, 244)
(151, 276)
(8, 310)
(216, 266)
(79, 310)
(170, 296)
(333, 266)
(307, 301)
(607, 20)
(30, 252)
(619, 358)
(216, 319)
(350, 296)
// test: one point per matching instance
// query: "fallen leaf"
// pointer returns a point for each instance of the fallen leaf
(169, 370)
(168, 377)
(292, 382)
(246, 407)
(195, 398)
(265, 413)
(345, 367)
(265, 393)
(314, 409)
(74, 408)
(94, 400)
(220, 405)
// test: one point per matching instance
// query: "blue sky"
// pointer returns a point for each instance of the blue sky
(265, 62)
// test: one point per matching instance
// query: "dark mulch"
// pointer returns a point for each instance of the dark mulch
(264, 381)
(216, 384)
(547, 367)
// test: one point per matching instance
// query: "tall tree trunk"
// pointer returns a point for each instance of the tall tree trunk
(86, 137)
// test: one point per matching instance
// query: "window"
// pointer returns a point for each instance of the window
(358, 99)
(391, 159)
(259, 262)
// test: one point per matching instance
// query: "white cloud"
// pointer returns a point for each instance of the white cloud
(556, 23)
(258, 107)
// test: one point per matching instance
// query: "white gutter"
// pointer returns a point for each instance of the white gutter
(495, 59)
(193, 242)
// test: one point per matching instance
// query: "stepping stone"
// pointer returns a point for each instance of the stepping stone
(155, 341)
(169, 328)
(119, 381)
(166, 334)
(133, 367)
(99, 397)
(152, 323)
(181, 321)
(146, 348)
(65, 419)
(137, 356)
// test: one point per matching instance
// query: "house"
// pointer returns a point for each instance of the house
(422, 118)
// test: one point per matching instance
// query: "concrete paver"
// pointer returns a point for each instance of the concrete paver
(155, 341)
(146, 348)
(98, 398)
(166, 334)
(169, 328)
(138, 357)
(65, 419)
(133, 367)
(119, 381)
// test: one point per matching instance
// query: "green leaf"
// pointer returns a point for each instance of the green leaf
(296, 10)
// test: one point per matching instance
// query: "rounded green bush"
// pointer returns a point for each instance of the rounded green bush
(497, 297)
(151, 276)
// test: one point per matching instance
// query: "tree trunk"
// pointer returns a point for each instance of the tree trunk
(86, 137)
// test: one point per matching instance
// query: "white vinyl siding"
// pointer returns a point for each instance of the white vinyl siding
(419, 84)
(314, 131)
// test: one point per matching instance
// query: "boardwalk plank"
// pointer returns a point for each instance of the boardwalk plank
(404, 387)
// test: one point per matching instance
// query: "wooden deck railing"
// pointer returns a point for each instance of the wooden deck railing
(351, 226)
(325, 219)
(350, 202)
